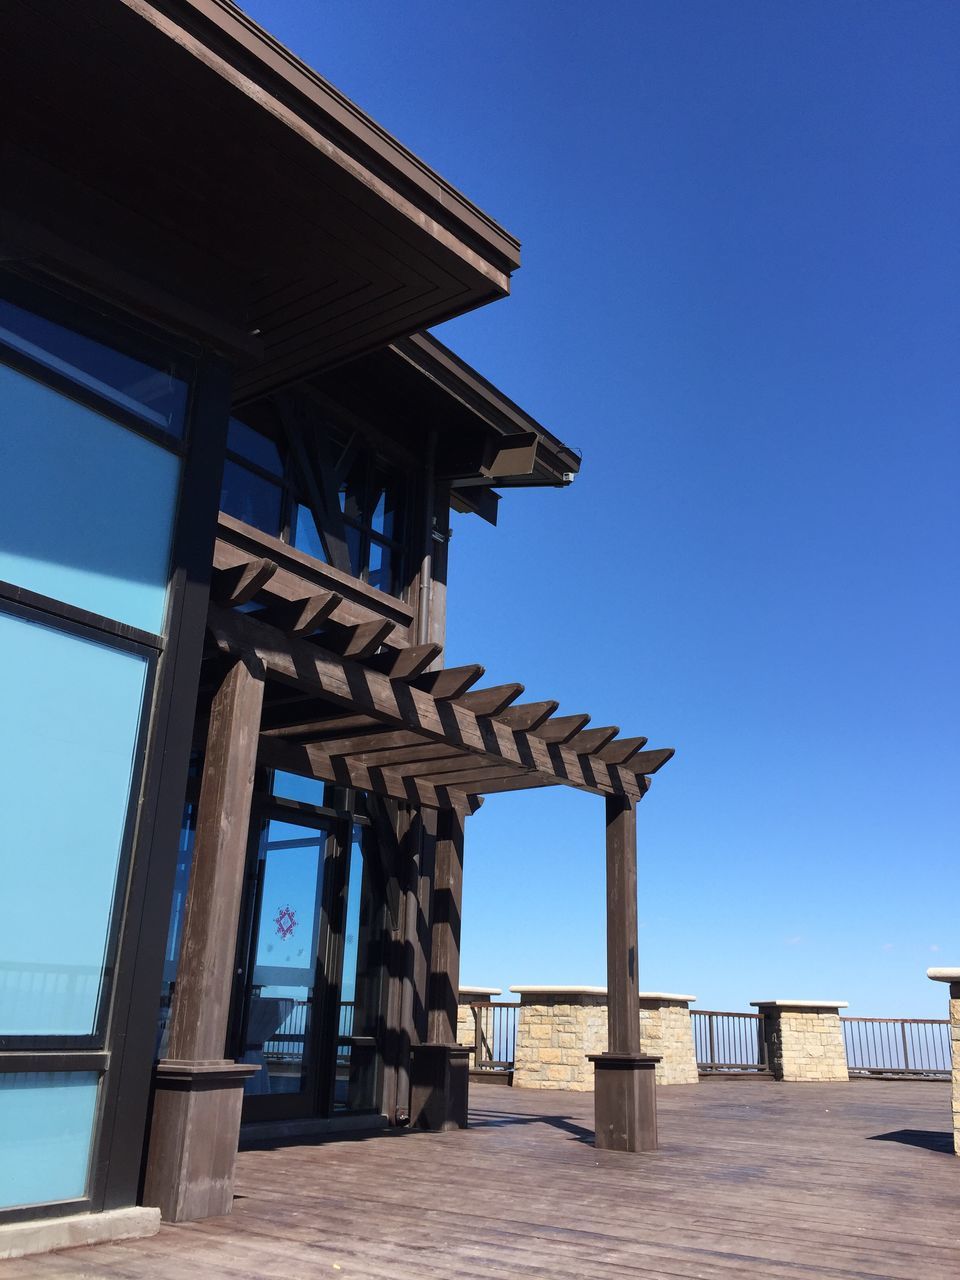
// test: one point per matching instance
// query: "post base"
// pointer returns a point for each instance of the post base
(194, 1133)
(625, 1101)
(439, 1079)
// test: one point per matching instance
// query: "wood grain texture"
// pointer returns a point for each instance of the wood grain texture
(753, 1181)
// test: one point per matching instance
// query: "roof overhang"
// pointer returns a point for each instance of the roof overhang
(172, 156)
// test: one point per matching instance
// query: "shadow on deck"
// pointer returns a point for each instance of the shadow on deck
(755, 1180)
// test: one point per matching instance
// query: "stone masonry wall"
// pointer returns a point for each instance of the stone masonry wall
(557, 1030)
(804, 1043)
(554, 1035)
(666, 1029)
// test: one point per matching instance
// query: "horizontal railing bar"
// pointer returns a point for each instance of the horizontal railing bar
(909, 1022)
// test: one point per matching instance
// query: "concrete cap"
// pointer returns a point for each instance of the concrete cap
(596, 991)
(560, 991)
(800, 1004)
(944, 975)
(481, 991)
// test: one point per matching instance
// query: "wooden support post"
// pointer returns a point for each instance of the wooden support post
(196, 1111)
(440, 1067)
(625, 1089)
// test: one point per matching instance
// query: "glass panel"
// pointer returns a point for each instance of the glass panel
(353, 549)
(380, 573)
(65, 775)
(385, 507)
(306, 536)
(279, 1011)
(46, 1127)
(254, 446)
(171, 956)
(153, 392)
(352, 491)
(294, 787)
(357, 1082)
(251, 498)
(86, 506)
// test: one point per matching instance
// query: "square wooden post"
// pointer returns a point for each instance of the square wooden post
(196, 1110)
(440, 1067)
(624, 1086)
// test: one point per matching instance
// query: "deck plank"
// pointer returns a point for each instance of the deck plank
(754, 1181)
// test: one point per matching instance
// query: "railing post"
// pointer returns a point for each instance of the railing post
(906, 1050)
(477, 1039)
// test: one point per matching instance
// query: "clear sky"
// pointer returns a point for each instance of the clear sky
(739, 299)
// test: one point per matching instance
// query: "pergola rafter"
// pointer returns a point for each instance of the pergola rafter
(373, 718)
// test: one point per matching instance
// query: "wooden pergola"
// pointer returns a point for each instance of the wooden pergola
(360, 706)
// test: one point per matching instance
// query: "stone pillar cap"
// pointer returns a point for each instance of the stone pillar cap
(594, 991)
(800, 1004)
(481, 991)
(666, 995)
(944, 975)
(555, 991)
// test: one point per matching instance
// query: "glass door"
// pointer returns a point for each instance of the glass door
(278, 1029)
(361, 968)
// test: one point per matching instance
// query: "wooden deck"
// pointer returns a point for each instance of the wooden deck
(754, 1179)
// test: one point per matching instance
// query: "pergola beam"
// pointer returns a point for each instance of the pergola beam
(405, 706)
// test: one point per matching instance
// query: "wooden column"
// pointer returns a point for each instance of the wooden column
(625, 1089)
(440, 1067)
(196, 1112)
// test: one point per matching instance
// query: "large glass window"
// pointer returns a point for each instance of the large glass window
(86, 506)
(262, 487)
(151, 390)
(72, 708)
(371, 499)
(46, 1124)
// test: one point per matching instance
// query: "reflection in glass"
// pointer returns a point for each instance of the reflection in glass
(46, 1127)
(254, 446)
(293, 786)
(306, 535)
(380, 573)
(86, 505)
(65, 780)
(251, 498)
(360, 989)
(284, 947)
(153, 393)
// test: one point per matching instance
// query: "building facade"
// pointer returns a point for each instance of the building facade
(236, 770)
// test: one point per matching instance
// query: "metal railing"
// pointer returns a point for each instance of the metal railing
(729, 1043)
(495, 1035)
(288, 1039)
(912, 1048)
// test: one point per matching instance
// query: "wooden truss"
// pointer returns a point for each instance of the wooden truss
(369, 715)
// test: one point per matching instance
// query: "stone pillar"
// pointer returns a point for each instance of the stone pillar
(804, 1039)
(557, 1026)
(195, 1124)
(952, 976)
(439, 1069)
(466, 1023)
(666, 1030)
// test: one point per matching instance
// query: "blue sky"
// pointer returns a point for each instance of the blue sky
(739, 299)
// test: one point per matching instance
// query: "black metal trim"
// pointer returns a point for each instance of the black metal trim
(72, 617)
(127, 1089)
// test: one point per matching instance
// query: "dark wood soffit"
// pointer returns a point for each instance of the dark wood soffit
(227, 200)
